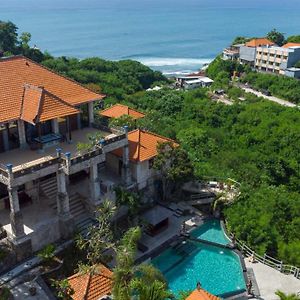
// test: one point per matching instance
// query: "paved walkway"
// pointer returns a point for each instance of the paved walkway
(270, 280)
(271, 98)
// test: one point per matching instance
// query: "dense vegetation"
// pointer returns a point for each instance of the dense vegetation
(255, 142)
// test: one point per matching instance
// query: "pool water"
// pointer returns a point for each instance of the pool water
(211, 231)
(218, 269)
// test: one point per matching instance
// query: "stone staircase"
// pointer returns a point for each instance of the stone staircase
(81, 216)
(48, 188)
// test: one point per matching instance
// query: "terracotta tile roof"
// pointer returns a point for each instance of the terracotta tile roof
(259, 42)
(288, 45)
(201, 294)
(38, 105)
(119, 110)
(18, 71)
(93, 285)
(142, 145)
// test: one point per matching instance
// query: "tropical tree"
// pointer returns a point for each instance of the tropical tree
(276, 37)
(100, 236)
(8, 37)
(143, 281)
(284, 296)
(174, 165)
(124, 120)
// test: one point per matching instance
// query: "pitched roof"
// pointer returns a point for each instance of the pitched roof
(17, 71)
(93, 285)
(119, 110)
(38, 105)
(259, 42)
(201, 294)
(143, 145)
(288, 45)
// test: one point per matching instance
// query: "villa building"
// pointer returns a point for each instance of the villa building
(48, 187)
(96, 284)
(193, 81)
(142, 151)
(232, 52)
(201, 294)
(119, 110)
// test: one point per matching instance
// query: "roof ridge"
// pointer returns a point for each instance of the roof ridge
(155, 134)
(58, 74)
(87, 286)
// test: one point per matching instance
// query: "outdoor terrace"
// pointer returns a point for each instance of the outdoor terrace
(26, 161)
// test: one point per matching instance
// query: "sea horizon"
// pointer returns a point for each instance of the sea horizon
(169, 36)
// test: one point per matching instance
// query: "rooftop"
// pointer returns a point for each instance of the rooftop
(18, 71)
(119, 110)
(288, 45)
(143, 145)
(201, 294)
(92, 285)
(259, 42)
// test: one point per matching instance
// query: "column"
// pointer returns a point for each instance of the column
(22, 135)
(16, 218)
(94, 185)
(63, 205)
(126, 176)
(66, 222)
(31, 189)
(5, 138)
(78, 117)
(91, 113)
(55, 126)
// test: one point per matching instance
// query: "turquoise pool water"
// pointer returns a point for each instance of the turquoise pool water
(211, 231)
(218, 269)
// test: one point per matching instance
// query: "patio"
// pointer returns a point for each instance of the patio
(20, 157)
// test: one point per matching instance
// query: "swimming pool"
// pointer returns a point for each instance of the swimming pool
(219, 270)
(211, 231)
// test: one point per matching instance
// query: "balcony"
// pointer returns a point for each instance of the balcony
(26, 161)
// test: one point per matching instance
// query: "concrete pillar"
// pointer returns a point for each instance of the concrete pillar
(16, 218)
(55, 126)
(91, 113)
(5, 139)
(78, 116)
(94, 186)
(66, 222)
(31, 189)
(22, 135)
(63, 205)
(126, 174)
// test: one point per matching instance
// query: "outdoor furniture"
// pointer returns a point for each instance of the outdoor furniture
(48, 140)
(157, 220)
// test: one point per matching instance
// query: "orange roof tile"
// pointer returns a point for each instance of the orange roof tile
(17, 71)
(201, 294)
(288, 45)
(38, 105)
(142, 145)
(259, 42)
(93, 285)
(119, 110)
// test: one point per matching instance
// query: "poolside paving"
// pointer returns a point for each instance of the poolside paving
(269, 281)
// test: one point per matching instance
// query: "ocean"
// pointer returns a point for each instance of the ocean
(168, 35)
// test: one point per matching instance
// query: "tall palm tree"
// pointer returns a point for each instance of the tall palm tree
(284, 296)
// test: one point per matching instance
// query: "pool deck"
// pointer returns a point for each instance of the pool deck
(270, 280)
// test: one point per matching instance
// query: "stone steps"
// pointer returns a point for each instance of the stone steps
(49, 188)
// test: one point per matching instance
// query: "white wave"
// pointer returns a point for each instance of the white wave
(161, 61)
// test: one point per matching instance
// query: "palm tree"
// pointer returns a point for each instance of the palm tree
(144, 282)
(284, 296)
